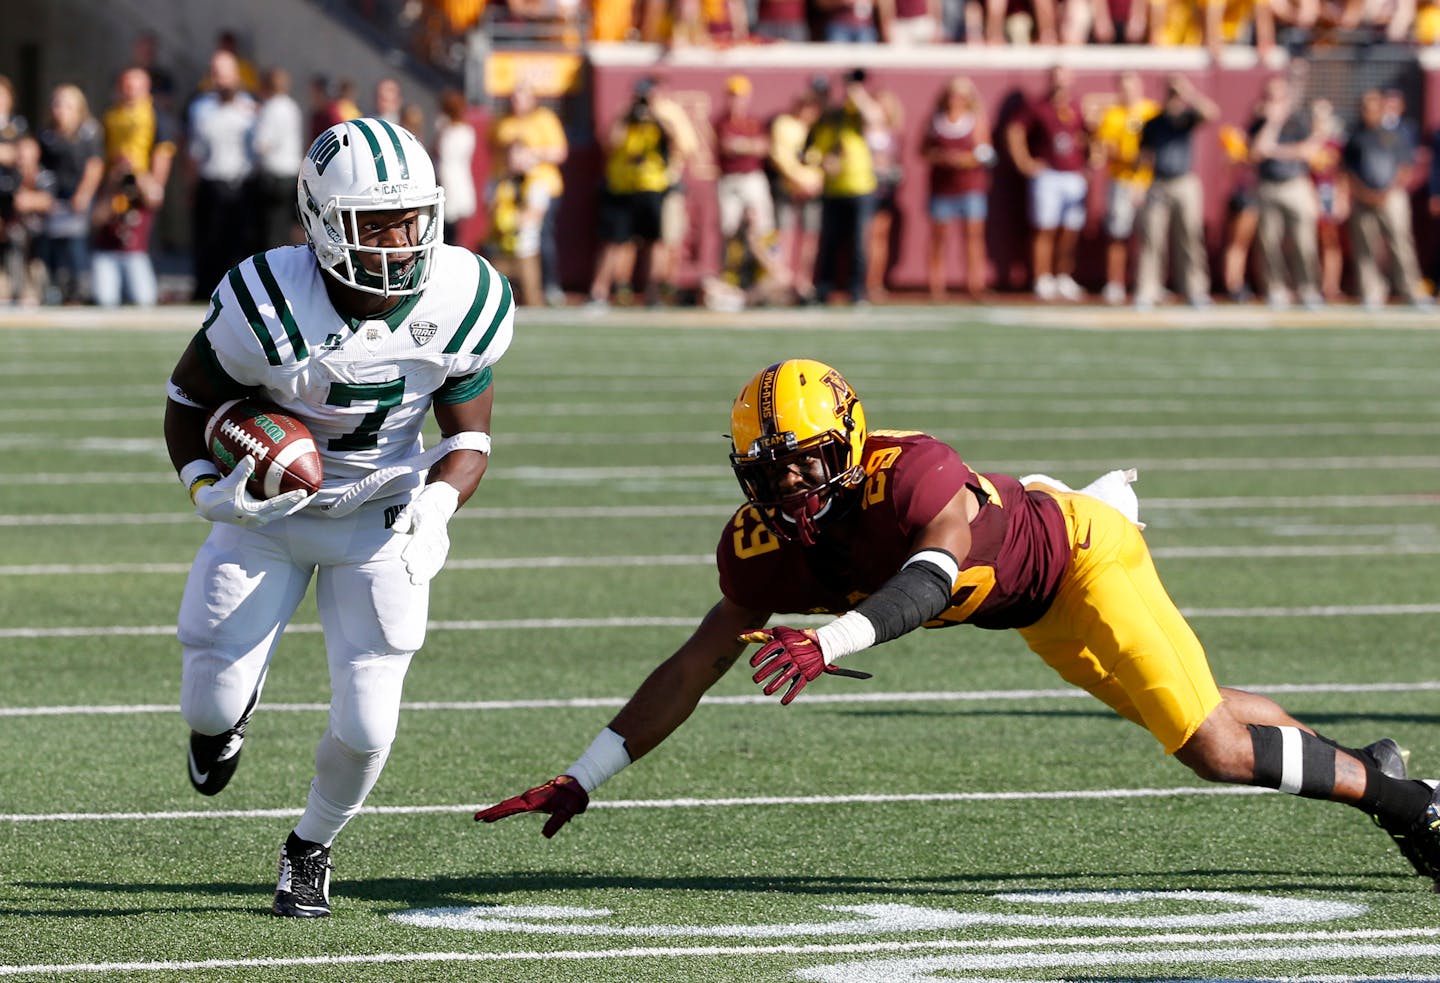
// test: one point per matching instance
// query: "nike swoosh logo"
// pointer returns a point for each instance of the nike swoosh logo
(196, 775)
(1084, 544)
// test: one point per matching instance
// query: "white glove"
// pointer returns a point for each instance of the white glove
(228, 500)
(424, 520)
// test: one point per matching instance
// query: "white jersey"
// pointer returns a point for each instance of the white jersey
(363, 387)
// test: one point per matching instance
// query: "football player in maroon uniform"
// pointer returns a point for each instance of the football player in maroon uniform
(891, 531)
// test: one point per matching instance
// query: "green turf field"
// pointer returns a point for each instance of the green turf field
(961, 816)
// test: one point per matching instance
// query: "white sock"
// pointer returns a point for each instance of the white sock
(343, 778)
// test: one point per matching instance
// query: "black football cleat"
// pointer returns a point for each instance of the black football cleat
(213, 760)
(1420, 841)
(1390, 758)
(303, 890)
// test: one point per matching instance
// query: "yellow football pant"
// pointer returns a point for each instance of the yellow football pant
(1114, 632)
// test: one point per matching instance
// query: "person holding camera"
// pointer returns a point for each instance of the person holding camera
(637, 155)
(139, 149)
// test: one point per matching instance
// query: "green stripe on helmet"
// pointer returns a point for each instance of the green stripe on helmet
(381, 172)
(399, 150)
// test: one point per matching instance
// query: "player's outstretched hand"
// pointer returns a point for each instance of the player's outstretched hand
(228, 500)
(789, 655)
(561, 798)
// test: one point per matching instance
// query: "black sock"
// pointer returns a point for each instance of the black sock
(1394, 801)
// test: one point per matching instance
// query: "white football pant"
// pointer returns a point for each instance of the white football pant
(243, 589)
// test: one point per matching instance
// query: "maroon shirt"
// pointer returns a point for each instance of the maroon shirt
(947, 180)
(1056, 133)
(1018, 553)
(746, 126)
(781, 12)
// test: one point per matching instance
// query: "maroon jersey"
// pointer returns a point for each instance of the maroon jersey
(949, 134)
(1019, 546)
(746, 126)
(1056, 133)
(782, 12)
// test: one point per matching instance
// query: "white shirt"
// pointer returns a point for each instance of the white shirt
(455, 153)
(220, 137)
(278, 137)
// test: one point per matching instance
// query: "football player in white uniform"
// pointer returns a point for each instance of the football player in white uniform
(359, 334)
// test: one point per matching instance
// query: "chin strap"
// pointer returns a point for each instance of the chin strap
(360, 492)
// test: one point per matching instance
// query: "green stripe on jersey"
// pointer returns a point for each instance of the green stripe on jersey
(252, 314)
(399, 151)
(381, 173)
(463, 388)
(214, 311)
(282, 308)
(482, 291)
(506, 306)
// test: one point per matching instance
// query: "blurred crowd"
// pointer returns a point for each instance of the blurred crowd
(806, 201)
(1262, 23)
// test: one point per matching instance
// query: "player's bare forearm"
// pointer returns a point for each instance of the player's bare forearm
(463, 469)
(670, 694)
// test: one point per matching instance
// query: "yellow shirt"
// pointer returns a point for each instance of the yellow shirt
(1119, 133)
(539, 130)
(612, 20)
(131, 131)
(1427, 24)
(840, 133)
(1182, 22)
(637, 161)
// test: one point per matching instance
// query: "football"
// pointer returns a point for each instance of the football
(284, 449)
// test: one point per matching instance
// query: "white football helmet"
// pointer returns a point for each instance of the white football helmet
(367, 165)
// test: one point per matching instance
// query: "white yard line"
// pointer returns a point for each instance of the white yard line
(811, 699)
(530, 624)
(1088, 950)
(1319, 551)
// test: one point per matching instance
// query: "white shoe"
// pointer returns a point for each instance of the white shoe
(1071, 290)
(1113, 294)
(1046, 288)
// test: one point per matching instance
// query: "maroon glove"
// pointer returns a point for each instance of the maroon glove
(789, 656)
(562, 798)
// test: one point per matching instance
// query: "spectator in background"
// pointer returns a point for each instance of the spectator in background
(909, 21)
(324, 110)
(140, 147)
(389, 100)
(13, 129)
(538, 128)
(455, 143)
(1031, 20)
(1242, 213)
(247, 76)
(278, 142)
(1047, 142)
(22, 214)
(13, 241)
(1332, 194)
(412, 118)
(1240, 22)
(518, 203)
(782, 20)
(346, 107)
(222, 161)
(847, 198)
(796, 180)
(614, 20)
(70, 149)
(1377, 162)
(637, 147)
(1116, 147)
(1295, 22)
(741, 148)
(1174, 209)
(847, 21)
(675, 207)
(752, 272)
(145, 53)
(957, 147)
(885, 136)
(1080, 20)
(1281, 145)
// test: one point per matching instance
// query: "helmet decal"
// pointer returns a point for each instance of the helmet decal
(323, 150)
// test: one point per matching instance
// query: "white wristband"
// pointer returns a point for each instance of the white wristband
(196, 469)
(603, 759)
(850, 633)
